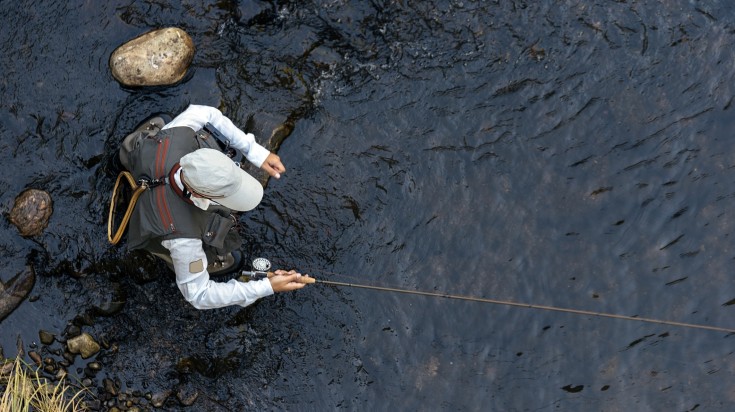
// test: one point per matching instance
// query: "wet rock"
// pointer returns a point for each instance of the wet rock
(15, 290)
(187, 395)
(61, 374)
(35, 357)
(159, 398)
(89, 372)
(68, 357)
(6, 368)
(109, 299)
(46, 337)
(72, 331)
(31, 212)
(110, 386)
(93, 405)
(157, 58)
(270, 130)
(83, 344)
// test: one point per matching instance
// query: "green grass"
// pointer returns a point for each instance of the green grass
(23, 389)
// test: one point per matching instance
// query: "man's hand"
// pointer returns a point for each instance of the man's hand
(283, 281)
(273, 166)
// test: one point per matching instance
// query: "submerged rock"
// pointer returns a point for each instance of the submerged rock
(46, 337)
(277, 128)
(83, 344)
(15, 290)
(31, 212)
(157, 58)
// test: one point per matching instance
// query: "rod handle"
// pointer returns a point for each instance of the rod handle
(302, 279)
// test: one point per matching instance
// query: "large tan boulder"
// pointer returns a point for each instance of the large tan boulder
(157, 58)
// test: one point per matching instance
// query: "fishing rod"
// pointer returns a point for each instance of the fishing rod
(262, 265)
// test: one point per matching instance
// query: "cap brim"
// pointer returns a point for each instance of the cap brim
(247, 197)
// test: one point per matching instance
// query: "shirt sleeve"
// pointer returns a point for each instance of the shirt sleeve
(192, 278)
(196, 116)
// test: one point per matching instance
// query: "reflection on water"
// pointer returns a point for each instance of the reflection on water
(556, 153)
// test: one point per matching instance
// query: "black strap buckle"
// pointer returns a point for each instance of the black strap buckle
(224, 142)
(151, 183)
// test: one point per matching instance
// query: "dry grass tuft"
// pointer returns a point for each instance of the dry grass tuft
(24, 390)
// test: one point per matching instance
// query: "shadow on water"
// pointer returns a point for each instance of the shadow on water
(573, 154)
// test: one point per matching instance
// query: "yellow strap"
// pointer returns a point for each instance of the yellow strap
(137, 191)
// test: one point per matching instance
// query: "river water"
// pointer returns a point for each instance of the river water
(566, 153)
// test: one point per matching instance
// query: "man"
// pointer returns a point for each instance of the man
(185, 217)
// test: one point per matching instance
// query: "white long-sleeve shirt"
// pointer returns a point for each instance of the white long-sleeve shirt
(196, 116)
(187, 253)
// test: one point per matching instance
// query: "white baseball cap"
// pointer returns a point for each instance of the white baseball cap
(210, 173)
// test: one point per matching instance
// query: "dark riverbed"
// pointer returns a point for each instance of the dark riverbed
(566, 153)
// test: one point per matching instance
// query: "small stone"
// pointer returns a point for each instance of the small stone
(61, 374)
(158, 399)
(187, 395)
(110, 386)
(6, 368)
(72, 330)
(93, 405)
(157, 58)
(95, 366)
(87, 382)
(83, 344)
(46, 337)
(35, 357)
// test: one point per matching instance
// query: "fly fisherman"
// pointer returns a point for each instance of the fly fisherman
(185, 217)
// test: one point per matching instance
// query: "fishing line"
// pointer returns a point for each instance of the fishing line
(529, 306)
(524, 305)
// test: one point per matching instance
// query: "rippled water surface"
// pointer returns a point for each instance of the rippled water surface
(566, 153)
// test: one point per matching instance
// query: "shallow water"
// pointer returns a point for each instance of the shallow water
(555, 153)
